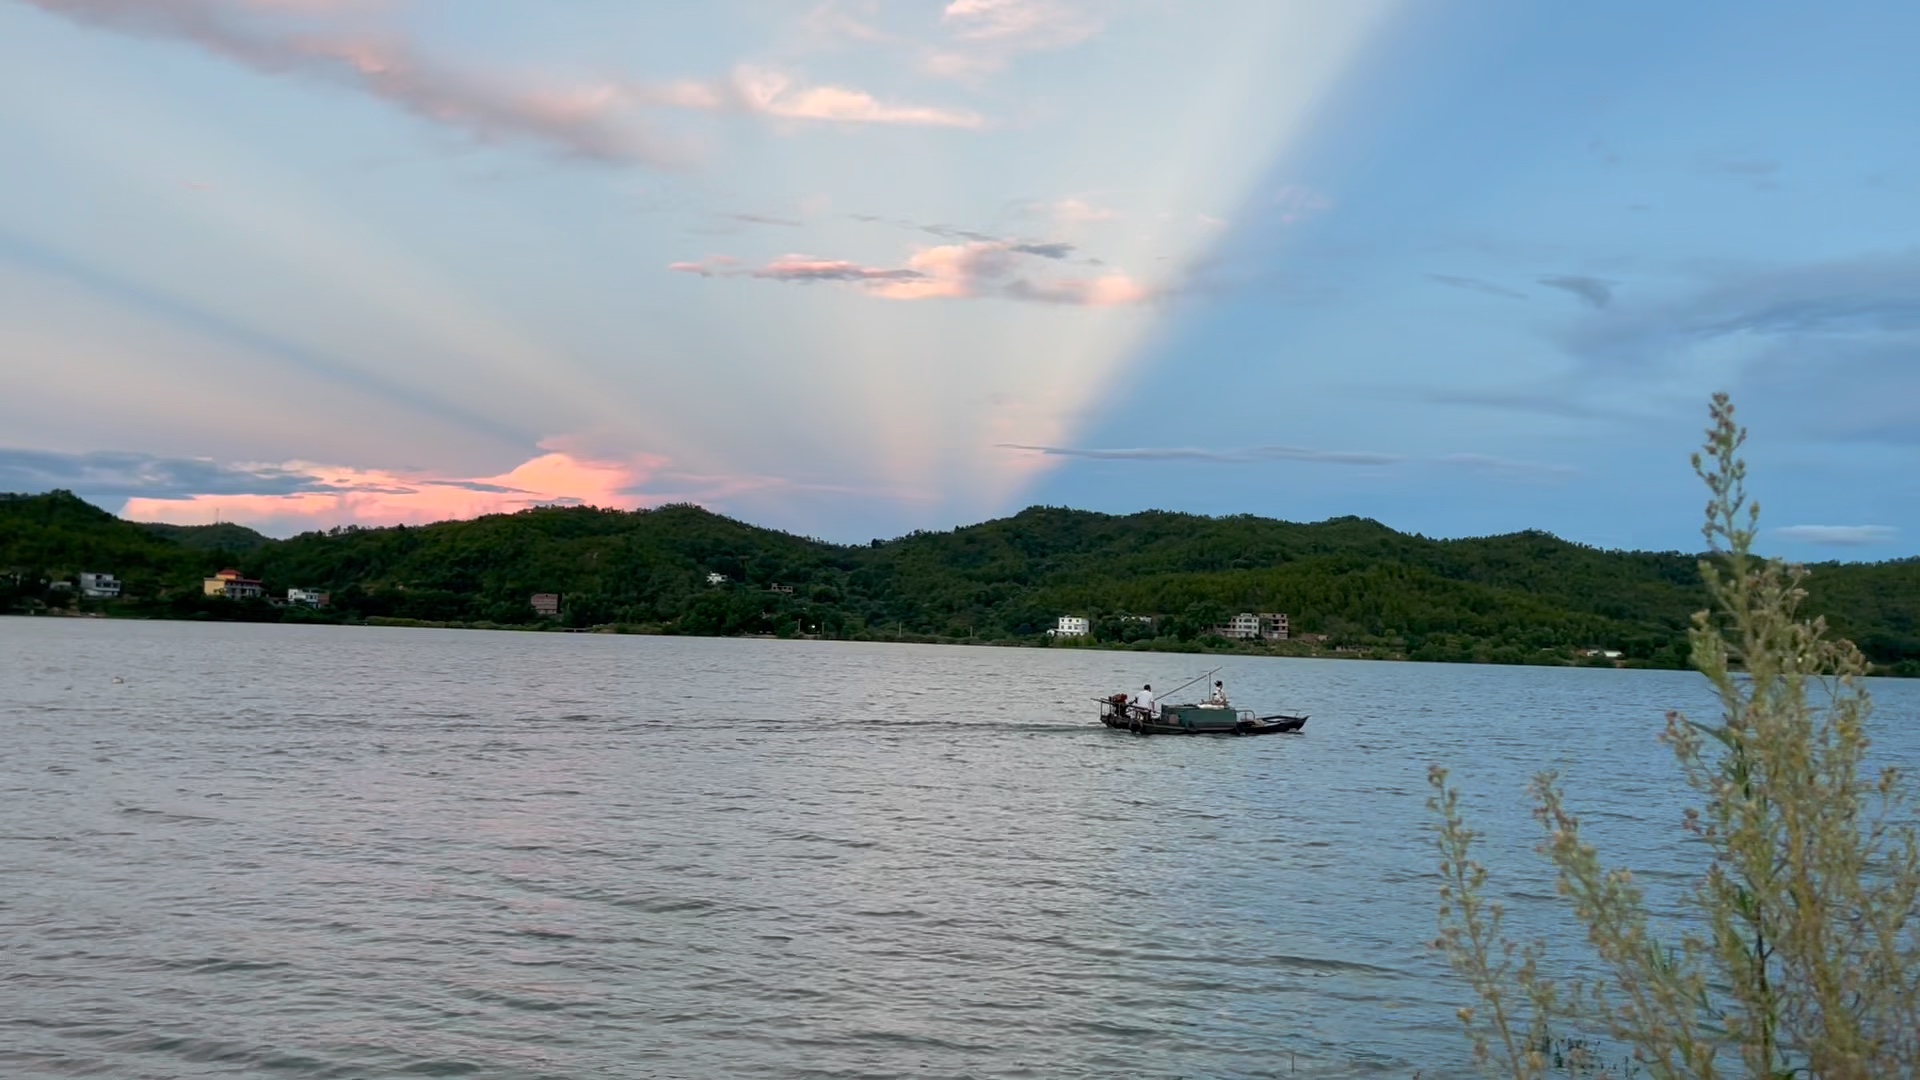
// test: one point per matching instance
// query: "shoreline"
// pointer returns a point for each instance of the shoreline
(1194, 648)
(1303, 651)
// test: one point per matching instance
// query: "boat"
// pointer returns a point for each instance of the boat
(1202, 719)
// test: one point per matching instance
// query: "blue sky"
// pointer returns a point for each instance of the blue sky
(853, 268)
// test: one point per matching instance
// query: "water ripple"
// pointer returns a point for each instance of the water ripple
(369, 852)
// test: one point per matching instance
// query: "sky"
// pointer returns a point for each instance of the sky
(852, 268)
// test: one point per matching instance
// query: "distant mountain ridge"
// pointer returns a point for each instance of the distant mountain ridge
(1357, 584)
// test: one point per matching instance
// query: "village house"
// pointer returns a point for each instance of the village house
(99, 586)
(312, 598)
(546, 604)
(1242, 627)
(1071, 626)
(230, 584)
(716, 578)
(1247, 626)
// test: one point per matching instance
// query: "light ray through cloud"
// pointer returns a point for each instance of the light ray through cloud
(828, 259)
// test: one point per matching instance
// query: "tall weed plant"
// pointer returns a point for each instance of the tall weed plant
(1799, 955)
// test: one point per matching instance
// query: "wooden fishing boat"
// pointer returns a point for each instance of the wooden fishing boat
(1194, 719)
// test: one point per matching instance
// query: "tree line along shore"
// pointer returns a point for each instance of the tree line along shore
(1152, 580)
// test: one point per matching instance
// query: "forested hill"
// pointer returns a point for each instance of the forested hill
(1525, 597)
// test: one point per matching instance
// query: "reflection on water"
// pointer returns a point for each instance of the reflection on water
(343, 852)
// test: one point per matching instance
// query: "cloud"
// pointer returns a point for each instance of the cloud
(292, 496)
(1593, 290)
(976, 37)
(1566, 404)
(771, 93)
(765, 219)
(804, 268)
(1031, 23)
(1046, 249)
(112, 475)
(980, 269)
(281, 39)
(948, 232)
(1049, 250)
(303, 495)
(1111, 290)
(1476, 285)
(300, 496)
(711, 266)
(1849, 388)
(601, 121)
(1838, 535)
(1857, 303)
(1072, 211)
(984, 36)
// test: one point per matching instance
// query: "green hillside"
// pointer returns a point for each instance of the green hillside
(59, 536)
(1349, 584)
(225, 536)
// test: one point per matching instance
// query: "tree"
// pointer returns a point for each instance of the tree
(1803, 956)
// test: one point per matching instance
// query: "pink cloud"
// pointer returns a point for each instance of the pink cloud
(1031, 22)
(599, 121)
(977, 37)
(328, 495)
(987, 34)
(1110, 290)
(347, 496)
(771, 93)
(276, 37)
(980, 269)
(707, 267)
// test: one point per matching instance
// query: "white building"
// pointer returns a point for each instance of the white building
(716, 578)
(1072, 626)
(1244, 626)
(308, 597)
(99, 586)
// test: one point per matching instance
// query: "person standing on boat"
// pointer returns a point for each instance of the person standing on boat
(1219, 694)
(1144, 700)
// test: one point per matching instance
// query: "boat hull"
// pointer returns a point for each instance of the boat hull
(1197, 720)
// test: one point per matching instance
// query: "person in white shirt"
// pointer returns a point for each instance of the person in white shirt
(1144, 701)
(1219, 694)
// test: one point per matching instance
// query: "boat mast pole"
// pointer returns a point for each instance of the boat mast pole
(1169, 694)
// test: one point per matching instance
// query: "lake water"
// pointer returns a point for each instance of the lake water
(346, 852)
